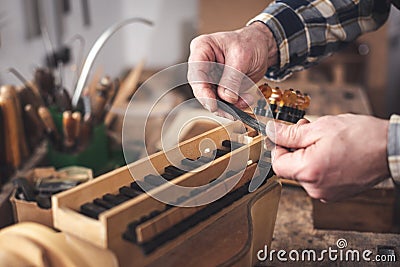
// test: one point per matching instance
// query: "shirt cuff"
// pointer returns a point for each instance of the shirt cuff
(393, 148)
(291, 38)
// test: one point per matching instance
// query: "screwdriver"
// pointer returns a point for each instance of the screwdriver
(51, 129)
(68, 129)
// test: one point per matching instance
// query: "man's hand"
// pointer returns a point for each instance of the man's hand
(250, 50)
(334, 157)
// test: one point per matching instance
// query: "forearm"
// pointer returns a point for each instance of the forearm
(306, 33)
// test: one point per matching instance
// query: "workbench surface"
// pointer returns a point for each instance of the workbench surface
(294, 230)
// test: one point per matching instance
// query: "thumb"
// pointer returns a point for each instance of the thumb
(290, 136)
(230, 83)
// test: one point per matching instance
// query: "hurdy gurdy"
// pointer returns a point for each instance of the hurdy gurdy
(114, 213)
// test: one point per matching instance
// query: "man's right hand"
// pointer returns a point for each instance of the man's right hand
(250, 50)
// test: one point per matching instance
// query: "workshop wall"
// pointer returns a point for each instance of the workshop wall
(163, 45)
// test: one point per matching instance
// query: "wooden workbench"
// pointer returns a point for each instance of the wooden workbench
(294, 230)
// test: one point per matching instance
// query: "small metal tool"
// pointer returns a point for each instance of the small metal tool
(243, 116)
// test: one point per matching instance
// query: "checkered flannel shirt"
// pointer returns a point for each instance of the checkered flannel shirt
(393, 148)
(307, 31)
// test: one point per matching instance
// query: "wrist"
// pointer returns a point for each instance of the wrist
(269, 40)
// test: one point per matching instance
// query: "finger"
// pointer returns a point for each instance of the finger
(205, 94)
(224, 114)
(200, 65)
(245, 101)
(303, 121)
(292, 136)
(201, 83)
(231, 81)
(287, 164)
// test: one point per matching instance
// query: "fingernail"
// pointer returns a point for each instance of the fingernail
(230, 94)
(210, 105)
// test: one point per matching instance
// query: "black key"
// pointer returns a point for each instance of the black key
(26, 188)
(205, 159)
(153, 180)
(115, 199)
(154, 214)
(144, 218)
(230, 173)
(165, 236)
(220, 153)
(135, 186)
(149, 247)
(195, 192)
(191, 163)
(174, 170)
(232, 145)
(168, 176)
(132, 226)
(103, 203)
(44, 201)
(181, 199)
(92, 210)
(129, 192)
(129, 236)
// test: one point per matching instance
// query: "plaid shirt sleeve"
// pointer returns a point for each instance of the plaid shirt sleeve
(393, 148)
(308, 30)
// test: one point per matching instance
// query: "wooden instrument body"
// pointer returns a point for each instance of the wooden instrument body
(230, 236)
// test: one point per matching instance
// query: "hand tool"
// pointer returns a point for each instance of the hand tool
(77, 117)
(100, 98)
(241, 115)
(68, 130)
(13, 130)
(51, 129)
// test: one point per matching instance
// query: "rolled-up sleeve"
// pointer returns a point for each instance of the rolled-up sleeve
(307, 31)
(393, 148)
